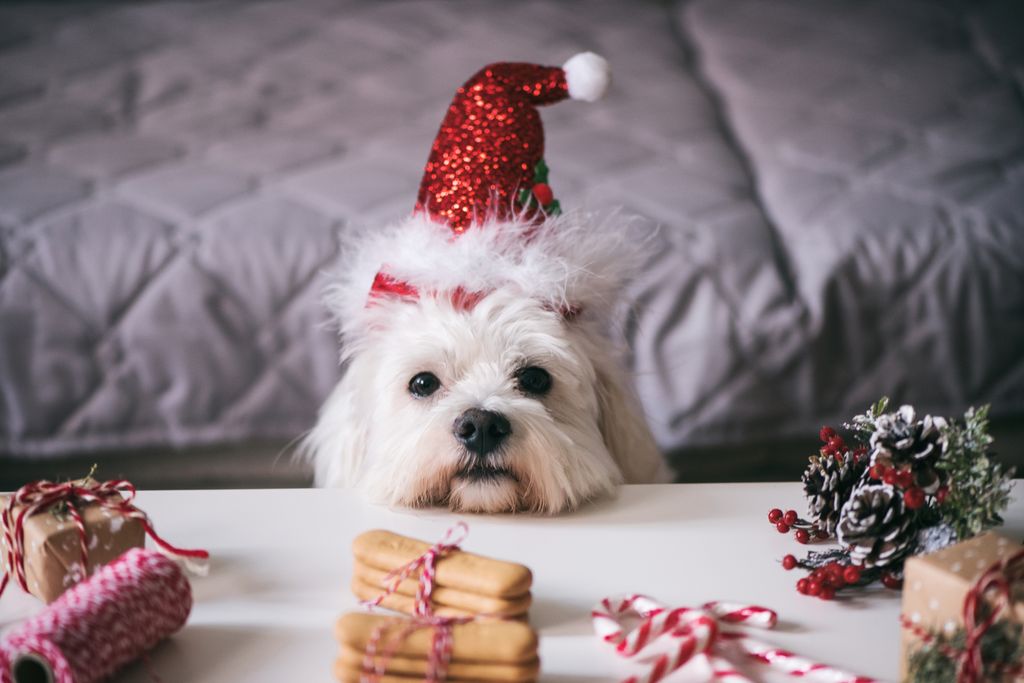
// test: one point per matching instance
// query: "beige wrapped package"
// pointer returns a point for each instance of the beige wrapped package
(935, 586)
(53, 556)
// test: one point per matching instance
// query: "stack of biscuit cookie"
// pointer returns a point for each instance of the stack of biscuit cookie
(491, 651)
(498, 646)
(465, 585)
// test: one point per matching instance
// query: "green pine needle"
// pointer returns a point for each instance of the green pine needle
(1001, 648)
(980, 487)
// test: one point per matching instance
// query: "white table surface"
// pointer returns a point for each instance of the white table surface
(281, 566)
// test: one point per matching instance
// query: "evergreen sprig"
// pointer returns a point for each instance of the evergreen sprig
(981, 486)
(1001, 649)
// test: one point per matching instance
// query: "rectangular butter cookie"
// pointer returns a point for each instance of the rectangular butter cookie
(387, 551)
(490, 641)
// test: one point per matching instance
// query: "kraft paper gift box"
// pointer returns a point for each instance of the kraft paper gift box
(53, 556)
(936, 585)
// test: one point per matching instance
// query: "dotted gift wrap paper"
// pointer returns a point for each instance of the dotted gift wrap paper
(53, 552)
(935, 586)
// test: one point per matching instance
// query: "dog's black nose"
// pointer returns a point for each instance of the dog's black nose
(481, 431)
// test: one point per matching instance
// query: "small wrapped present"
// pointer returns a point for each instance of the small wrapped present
(963, 610)
(53, 535)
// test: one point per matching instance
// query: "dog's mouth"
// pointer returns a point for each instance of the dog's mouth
(482, 472)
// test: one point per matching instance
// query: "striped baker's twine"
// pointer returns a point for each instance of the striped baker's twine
(104, 622)
(700, 634)
(376, 657)
(428, 561)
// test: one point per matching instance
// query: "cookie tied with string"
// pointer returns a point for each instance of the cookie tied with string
(465, 584)
(490, 650)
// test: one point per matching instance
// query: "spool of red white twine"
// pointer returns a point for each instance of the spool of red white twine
(707, 633)
(100, 624)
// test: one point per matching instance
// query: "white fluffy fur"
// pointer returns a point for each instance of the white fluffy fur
(573, 444)
(574, 259)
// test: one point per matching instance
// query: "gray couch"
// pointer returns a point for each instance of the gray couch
(838, 187)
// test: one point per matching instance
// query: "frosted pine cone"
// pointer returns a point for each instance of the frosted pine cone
(934, 538)
(828, 483)
(875, 526)
(901, 441)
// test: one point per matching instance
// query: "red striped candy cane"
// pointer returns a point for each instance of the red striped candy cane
(701, 633)
(796, 665)
(695, 630)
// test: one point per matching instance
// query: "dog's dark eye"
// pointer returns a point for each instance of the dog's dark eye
(534, 380)
(424, 384)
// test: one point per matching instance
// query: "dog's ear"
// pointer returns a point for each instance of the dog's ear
(337, 444)
(625, 430)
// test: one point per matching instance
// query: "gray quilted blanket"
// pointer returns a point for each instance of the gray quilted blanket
(839, 187)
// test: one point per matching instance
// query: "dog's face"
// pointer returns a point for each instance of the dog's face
(501, 406)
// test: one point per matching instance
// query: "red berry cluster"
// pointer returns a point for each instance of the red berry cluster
(836, 446)
(787, 521)
(830, 575)
(824, 581)
(914, 497)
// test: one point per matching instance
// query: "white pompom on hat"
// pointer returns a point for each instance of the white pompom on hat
(588, 76)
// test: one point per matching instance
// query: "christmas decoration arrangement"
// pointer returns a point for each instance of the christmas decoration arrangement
(963, 613)
(466, 614)
(101, 623)
(710, 633)
(54, 535)
(903, 485)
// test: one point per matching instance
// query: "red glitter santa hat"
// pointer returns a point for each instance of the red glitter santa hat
(485, 216)
(487, 158)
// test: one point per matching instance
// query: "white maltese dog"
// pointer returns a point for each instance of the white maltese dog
(480, 370)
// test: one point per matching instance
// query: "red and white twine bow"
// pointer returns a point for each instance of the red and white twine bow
(115, 495)
(375, 658)
(984, 604)
(707, 633)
